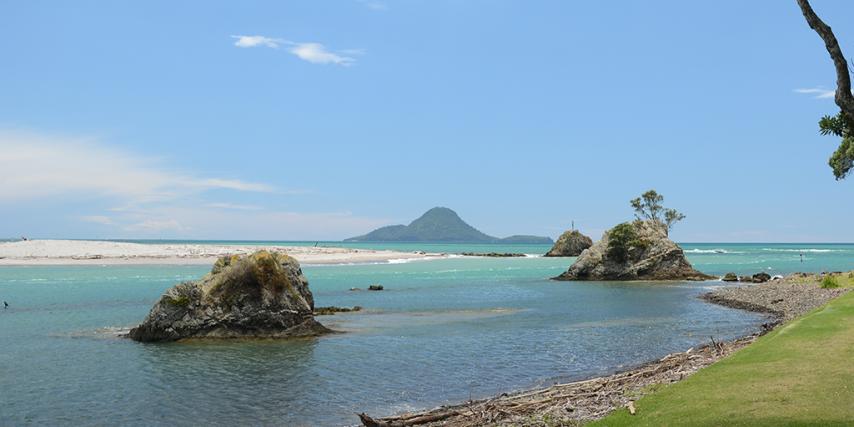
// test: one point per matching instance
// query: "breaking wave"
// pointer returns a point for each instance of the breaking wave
(711, 251)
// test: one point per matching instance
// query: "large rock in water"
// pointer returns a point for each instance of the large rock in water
(638, 250)
(262, 295)
(570, 243)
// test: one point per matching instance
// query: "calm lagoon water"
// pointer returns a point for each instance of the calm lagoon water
(443, 331)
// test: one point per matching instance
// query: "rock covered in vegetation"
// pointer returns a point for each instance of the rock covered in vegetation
(570, 243)
(262, 295)
(638, 250)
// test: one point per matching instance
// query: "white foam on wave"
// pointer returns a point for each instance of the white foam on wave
(403, 260)
(805, 250)
(711, 251)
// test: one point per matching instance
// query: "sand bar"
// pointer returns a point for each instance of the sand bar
(87, 252)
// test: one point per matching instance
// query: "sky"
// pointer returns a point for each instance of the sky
(321, 120)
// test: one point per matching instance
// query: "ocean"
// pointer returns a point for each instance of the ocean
(443, 331)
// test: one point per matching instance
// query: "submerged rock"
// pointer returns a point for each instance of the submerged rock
(638, 250)
(494, 254)
(326, 311)
(262, 295)
(375, 288)
(730, 277)
(570, 243)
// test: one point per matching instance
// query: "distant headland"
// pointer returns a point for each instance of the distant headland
(441, 225)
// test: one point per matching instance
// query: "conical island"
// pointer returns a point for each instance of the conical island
(441, 225)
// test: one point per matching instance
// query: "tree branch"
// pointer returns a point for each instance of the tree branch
(843, 97)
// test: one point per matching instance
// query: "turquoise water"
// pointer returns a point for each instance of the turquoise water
(443, 331)
(711, 258)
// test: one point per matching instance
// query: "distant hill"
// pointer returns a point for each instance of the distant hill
(440, 225)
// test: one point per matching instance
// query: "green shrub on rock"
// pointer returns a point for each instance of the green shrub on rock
(623, 238)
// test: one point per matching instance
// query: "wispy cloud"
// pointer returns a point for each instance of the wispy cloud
(255, 41)
(221, 222)
(817, 92)
(38, 166)
(316, 53)
(127, 195)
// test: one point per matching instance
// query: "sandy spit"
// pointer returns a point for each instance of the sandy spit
(87, 252)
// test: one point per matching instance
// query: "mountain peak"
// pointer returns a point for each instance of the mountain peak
(439, 224)
(439, 213)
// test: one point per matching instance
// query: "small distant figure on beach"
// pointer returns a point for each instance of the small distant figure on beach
(24, 238)
(315, 244)
(802, 257)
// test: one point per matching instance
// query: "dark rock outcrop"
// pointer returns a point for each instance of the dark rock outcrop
(570, 243)
(330, 310)
(262, 295)
(639, 250)
(730, 277)
(761, 277)
(494, 254)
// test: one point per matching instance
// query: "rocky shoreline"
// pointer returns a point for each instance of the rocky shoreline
(582, 401)
(784, 299)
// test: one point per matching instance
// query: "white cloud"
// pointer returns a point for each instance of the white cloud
(316, 53)
(132, 197)
(819, 92)
(37, 166)
(254, 41)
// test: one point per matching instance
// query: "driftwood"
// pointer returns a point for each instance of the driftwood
(570, 403)
(404, 421)
(577, 402)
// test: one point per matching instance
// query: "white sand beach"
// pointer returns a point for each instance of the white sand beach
(86, 252)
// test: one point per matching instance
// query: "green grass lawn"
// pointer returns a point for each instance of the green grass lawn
(802, 373)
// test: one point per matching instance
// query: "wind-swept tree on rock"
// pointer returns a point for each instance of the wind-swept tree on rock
(841, 125)
(648, 207)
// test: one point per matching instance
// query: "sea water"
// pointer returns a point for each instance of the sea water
(443, 331)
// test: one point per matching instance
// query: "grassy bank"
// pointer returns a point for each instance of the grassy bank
(801, 373)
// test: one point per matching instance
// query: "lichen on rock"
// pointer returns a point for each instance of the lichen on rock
(638, 250)
(263, 295)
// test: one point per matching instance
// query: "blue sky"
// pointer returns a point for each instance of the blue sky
(323, 120)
